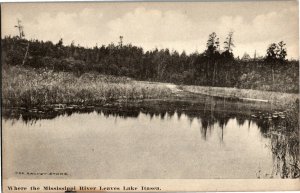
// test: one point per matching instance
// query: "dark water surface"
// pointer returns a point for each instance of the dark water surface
(113, 143)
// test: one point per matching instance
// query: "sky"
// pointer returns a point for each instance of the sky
(173, 25)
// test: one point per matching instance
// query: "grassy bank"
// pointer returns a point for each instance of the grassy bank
(279, 99)
(30, 87)
(23, 86)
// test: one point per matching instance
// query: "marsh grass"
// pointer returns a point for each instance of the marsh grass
(30, 87)
(277, 98)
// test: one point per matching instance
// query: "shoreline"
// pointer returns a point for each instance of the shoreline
(206, 104)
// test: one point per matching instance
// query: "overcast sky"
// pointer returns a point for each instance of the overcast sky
(177, 26)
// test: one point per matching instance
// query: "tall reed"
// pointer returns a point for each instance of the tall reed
(30, 87)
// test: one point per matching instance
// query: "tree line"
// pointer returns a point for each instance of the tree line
(215, 66)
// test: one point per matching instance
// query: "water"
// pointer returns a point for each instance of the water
(125, 145)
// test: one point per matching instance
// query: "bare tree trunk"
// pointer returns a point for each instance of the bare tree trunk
(26, 54)
(273, 76)
(214, 75)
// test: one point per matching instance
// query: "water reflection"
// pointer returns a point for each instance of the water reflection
(208, 118)
(228, 127)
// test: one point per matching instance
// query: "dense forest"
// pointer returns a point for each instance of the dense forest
(216, 66)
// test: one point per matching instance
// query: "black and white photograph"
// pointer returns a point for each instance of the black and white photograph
(149, 90)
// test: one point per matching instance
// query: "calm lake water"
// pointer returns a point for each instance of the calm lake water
(113, 144)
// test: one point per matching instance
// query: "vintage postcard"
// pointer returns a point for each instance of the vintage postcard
(150, 96)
